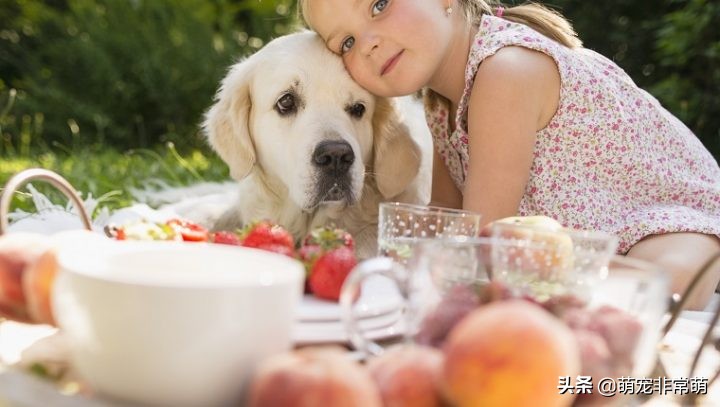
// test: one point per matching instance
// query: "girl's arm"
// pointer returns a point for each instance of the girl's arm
(515, 94)
(444, 191)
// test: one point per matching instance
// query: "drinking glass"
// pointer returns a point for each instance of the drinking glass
(401, 226)
(438, 281)
(617, 327)
(542, 262)
(642, 290)
(618, 331)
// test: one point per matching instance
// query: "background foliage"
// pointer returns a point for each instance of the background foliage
(88, 80)
(135, 73)
(128, 73)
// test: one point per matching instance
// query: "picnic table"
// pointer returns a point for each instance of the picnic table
(19, 388)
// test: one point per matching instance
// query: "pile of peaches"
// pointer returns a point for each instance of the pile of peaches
(481, 346)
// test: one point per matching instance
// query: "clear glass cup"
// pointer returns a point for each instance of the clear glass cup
(641, 290)
(542, 262)
(617, 327)
(437, 274)
(401, 229)
(619, 330)
(401, 226)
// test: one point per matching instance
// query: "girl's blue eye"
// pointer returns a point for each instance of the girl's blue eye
(347, 44)
(379, 6)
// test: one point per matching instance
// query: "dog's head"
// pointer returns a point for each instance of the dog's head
(292, 112)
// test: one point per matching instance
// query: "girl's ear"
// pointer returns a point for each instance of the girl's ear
(226, 122)
(396, 155)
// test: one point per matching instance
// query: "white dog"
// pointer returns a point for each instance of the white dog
(310, 147)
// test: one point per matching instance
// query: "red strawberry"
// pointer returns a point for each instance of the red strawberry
(278, 248)
(119, 233)
(268, 236)
(329, 238)
(328, 256)
(190, 232)
(329, 272)
(225, 237)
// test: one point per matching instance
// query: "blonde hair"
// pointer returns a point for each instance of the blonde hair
(546, 21)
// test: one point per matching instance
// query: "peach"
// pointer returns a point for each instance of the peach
(312, 377)
(542, 221)
(408, 375)
(539, 221)
(28, 265)
(509, 353)
(20, 253)
(38, 281)
(549, 252)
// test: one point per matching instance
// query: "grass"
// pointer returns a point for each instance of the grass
(111, 174)
(106, 173)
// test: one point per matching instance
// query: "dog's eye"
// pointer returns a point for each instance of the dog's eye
(286, 104)
(356, 110)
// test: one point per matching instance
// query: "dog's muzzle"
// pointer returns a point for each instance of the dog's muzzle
(333, 160)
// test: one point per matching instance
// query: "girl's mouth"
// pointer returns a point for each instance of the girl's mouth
(390, 64)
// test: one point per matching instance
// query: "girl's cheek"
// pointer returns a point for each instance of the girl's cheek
(347, 61)
(357, 76)
(350, 66)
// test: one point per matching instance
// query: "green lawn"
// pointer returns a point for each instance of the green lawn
(110, 174)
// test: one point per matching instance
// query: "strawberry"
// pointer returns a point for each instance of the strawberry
(329, 271)
(328, 254)
(268, 236)
(120, 234)
(225, 237)
(329, 238)
(278, 248)
(190, 232)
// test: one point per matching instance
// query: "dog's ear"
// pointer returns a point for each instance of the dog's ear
(396, 155)
(226, 124)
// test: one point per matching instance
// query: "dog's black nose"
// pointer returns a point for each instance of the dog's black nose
(333, 155)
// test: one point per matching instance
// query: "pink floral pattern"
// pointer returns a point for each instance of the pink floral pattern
(612, 158)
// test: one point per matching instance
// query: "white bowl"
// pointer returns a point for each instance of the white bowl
(174, 324)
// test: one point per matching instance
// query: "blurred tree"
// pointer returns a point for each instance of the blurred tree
(687, 52)
(131, 73)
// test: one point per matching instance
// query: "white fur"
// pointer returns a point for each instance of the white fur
(270, 154)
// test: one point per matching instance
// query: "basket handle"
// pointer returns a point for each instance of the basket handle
(52, 178)
(677, 303)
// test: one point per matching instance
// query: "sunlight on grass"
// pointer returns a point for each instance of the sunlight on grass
(12, 165)
(111, 174)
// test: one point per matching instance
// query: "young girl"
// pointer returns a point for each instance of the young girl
(527, 122)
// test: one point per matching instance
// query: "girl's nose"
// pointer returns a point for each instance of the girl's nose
(368, 43)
